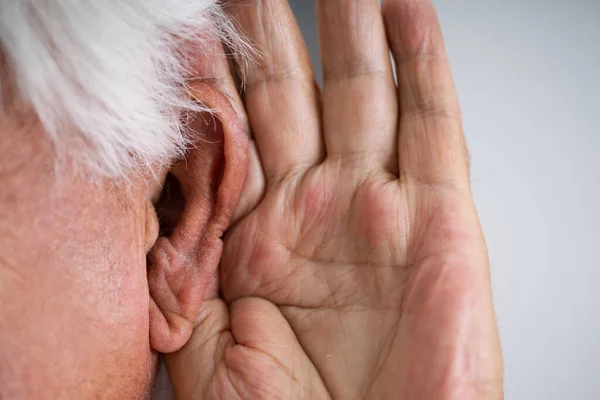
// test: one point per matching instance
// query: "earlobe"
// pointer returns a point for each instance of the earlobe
(183, 264)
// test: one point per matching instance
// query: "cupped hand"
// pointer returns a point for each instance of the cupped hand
(356, 267)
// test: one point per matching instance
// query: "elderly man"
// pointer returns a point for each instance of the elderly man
(335, 254)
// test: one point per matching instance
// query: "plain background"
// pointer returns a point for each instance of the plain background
(527, 75)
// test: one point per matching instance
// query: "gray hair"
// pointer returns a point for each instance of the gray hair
(109, 74)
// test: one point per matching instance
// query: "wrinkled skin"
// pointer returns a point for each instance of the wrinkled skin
(89, 291)
(357, 268)
(73, 288)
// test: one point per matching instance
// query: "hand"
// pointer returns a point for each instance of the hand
(361, 270)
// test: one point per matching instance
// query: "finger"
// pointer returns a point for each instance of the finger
(192, 368)
(359, 93)
(280, 95)
(248, 349)
(431, 142)
(268, 347)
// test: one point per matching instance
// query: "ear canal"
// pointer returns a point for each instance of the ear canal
(184, 264)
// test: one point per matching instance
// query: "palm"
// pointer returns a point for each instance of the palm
(341, 276)
(314, 237)
(345, 281)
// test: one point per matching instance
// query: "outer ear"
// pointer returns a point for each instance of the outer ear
(185, 263)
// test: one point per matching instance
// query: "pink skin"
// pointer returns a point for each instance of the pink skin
(361, 270)
(356, 265)
(73, 288)
(81, 316)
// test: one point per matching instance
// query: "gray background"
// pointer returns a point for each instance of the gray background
(527, 78)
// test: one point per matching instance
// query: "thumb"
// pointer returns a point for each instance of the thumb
(193, 366)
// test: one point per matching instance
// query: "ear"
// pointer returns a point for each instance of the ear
(184, 264)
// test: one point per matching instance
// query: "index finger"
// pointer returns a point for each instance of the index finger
(431, 142)
(280, 96)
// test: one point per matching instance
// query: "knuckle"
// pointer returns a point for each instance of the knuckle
(269, 75)
(352, 69)
(430, 109)
(414, 29)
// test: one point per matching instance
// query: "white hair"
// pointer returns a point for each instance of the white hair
(109, 74)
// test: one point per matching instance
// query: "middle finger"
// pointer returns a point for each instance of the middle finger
(359, 93)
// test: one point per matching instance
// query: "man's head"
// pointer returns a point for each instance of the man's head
(100, 102)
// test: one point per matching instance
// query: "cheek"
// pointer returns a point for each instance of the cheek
(115, 304)
(122, 326)
(74, 316)
(74, 333)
